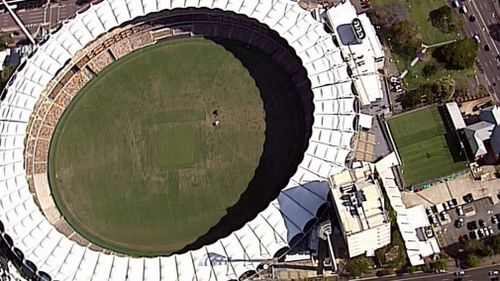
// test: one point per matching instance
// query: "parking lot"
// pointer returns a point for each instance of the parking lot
(475, 221)
(456, 188)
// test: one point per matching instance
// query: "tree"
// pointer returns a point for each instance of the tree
(440, 265)
(357, 266)
(407, 39)
(482, 91)
(3, 41)
(458, 55)
(445, 19)
(5, 75)
(472, 261)
(495, 244)
(476, 247)
(430, 68)
(444, 89)
(389, 13)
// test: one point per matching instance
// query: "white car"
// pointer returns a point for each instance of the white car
(445, 206)
(476, 38)
(494, 219)
(460, 211)
(395, 80)
(481, 233)
(444, 216)
(494, 272)
(490, 230)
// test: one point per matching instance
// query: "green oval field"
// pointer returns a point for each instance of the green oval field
(136, 164)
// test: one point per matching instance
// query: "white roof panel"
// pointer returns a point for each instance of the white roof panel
(260, 238)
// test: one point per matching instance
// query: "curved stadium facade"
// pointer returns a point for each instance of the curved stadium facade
(44, 85)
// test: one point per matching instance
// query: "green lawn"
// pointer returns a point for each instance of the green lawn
(175, 148)
(418, 13)
(136, 165)
(416, 77)
(426, 150)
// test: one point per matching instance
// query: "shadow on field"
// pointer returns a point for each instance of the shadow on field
(288, 117)
(451, 137)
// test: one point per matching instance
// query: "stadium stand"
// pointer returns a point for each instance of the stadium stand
(42, 87)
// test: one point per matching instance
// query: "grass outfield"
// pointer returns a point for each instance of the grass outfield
(421, 140)
(136, 165)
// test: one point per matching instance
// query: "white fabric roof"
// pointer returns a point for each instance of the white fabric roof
(231, 256)
(456, 116)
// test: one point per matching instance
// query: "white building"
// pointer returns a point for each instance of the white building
(359, 204)
(410, 221)
(361, 48)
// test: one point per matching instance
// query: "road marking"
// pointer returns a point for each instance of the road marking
(485, 26)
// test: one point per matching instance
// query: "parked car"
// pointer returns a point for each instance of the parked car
(450, 204)
(395, 80)
(445, 206)
(472, 225)
(490, 231)
(481, 223)
(444, 216)
(468, 198)
(476, 38)
(432, 219)
(481, 233)
(472, 18)
(460, 211)
(463, 9)
(486, 231)
(459, 223)
(460, 273)
(494, 219)
(473, 235)
(493, 273)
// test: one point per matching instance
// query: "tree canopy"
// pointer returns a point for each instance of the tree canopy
(440, 90)
(476, 247)
(357, 266)
(406, 38)
(440, 265)
(5, 75)
(445, 19)
(495, 244)
(430, 68)
(458, 55)
(472, 261)
(389, 13)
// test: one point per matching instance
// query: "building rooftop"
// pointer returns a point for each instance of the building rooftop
(408, 220)
(491, 114)
(358, 199)
(456, 116)
(361, 48)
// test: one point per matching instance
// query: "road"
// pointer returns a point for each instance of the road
(487, 13)
(475, 274)
(47, 16)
